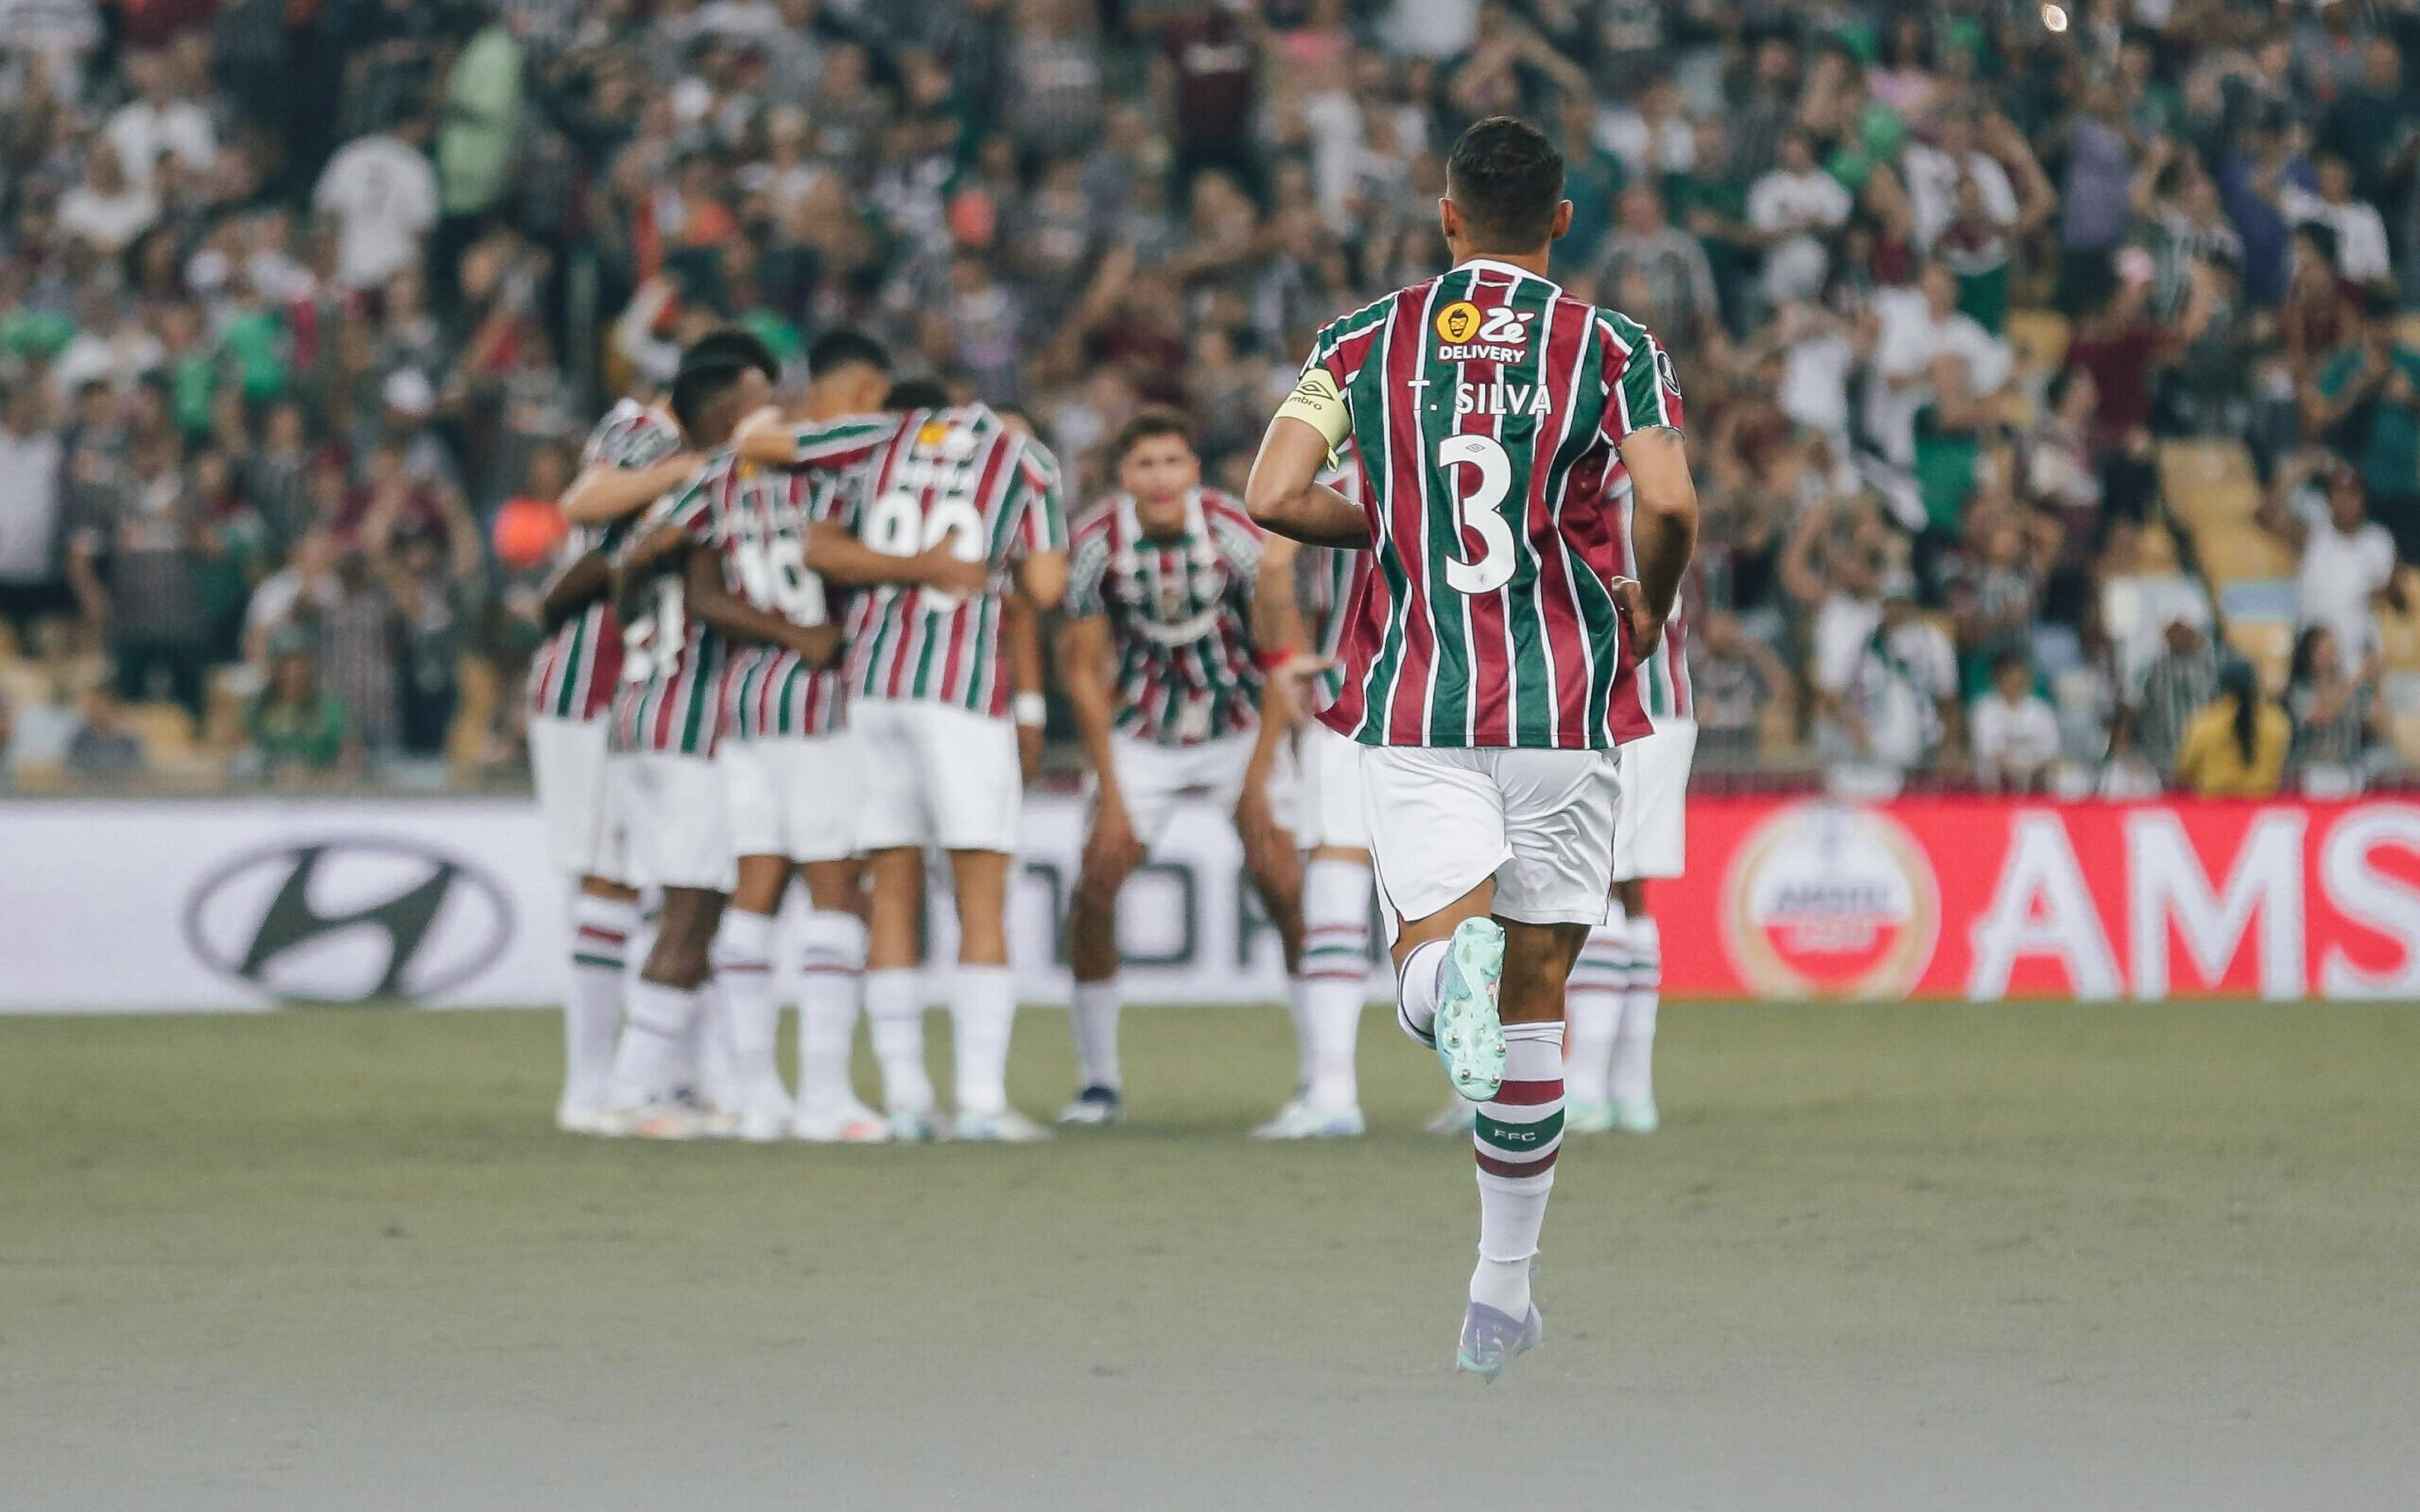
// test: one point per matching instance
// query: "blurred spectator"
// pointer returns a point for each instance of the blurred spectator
(1733, 680)
(2333, 708)
(2319, 509)
(2015, 734)
(2365, 401)
(296, 730)
(2235, 747)
(382, 193)
(1886, 684)
(2175, 686)
(33, 577)
(103, 749)
(136, 564)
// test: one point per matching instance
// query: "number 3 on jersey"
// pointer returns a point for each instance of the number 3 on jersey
(1481, 510)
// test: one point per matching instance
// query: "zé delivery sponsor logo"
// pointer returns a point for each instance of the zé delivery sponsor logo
(1466, 333)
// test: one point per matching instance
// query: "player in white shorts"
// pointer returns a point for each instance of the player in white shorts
(928, 683)
(1618, 982)
(1489, 661)
(633, 457)
(1162, 669)
(789, 761)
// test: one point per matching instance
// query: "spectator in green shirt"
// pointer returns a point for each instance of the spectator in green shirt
(2364, 402)
(296, 729)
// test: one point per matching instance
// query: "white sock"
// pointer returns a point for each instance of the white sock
(894, 1016)
(983, 1011)
(1634, 1047)
(718, 1058)
(742, 954)
(653, 1057)
(834, 964)
(1093, 1018)
(1298, 1009)
(1335, 976)
(1592, 1006)
(592, 1017)
(1518, 1132)
(1417, 987)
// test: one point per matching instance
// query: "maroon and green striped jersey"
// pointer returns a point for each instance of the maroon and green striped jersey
(960, 476)
(1486, 405)
(671, 664)
(1179, 611)
(763, 528)
(574, 672)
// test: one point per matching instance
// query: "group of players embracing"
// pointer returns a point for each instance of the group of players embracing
(807, 644)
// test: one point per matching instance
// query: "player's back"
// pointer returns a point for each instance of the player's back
(1487, 406)
(574, 672)
(963, 478)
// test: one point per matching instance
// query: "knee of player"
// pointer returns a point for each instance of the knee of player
(1097, 886)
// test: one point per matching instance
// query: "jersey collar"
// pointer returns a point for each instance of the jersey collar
(1492, 266)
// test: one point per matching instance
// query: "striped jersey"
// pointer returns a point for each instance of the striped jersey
(573, 674)
(1179, 611)
(960, 476)
(762, 520)
(1487, 407)
(1664, 676)
(671, 664)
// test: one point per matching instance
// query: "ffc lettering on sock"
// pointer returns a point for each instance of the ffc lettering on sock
(1518, 1132)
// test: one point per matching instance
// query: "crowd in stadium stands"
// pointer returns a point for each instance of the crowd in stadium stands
(2044, 367)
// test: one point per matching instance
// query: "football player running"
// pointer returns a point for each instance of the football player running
(1490, 658)
(1161, 667)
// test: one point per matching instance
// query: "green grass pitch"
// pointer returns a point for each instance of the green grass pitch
(2022, 1257)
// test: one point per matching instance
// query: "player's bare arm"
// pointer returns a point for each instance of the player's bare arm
(1020, 626)
(1041, 577)
(604, 493)
(1083, 675)
(588, 579)
(842, 558)
(712, 601)
(1285, 497)
(1663, 528)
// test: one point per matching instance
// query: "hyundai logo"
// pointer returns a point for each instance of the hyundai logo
(349, 920)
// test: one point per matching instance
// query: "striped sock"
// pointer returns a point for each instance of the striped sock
(592, 1016)
(1517, 1133)
(833, 952)
(1593, 1004)
(1634, 1047)
(1335, 976)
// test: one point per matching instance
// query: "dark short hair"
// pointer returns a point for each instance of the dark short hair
(731, 347)
(1150, 421)
(916, 393)
(837, 349)
(1506, 178)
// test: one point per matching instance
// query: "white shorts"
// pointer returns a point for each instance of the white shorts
(792, 795)
(1151, 776)
(1332, 800)
(568, 763)
(675, 822)
(931, 774)
(1539, 821)
(1651, 840)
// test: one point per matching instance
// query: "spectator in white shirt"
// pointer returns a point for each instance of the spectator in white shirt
(109, 209)
(1885, 680)
(2361, 232)
(2322, 510)
(1918, 326)
(1933, 174)
(1790, 207)
(156, 121)
(2014, 732)
(382, 193)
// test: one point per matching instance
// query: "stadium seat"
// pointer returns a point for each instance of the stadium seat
(165, 730)
(2270, 646)
(2209, 482)
(2240, 553)
(2040, 338)
(2401, 632)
